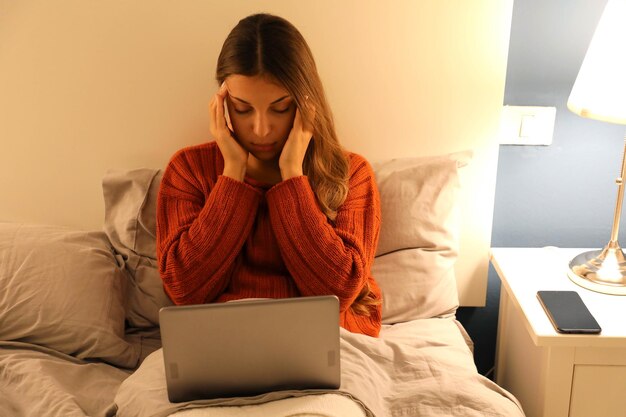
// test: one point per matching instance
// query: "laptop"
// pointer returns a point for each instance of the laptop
(250, 347)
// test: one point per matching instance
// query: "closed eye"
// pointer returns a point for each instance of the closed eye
(285, 110)
(238, 111)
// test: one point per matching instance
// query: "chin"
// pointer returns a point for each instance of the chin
(266, 156)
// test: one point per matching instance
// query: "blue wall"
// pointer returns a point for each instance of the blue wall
(558, 195)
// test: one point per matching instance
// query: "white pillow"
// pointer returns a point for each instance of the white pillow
(418, 246)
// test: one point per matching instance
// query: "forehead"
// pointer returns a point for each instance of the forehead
(257, 89)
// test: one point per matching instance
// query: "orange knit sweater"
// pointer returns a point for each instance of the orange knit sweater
(219, 239)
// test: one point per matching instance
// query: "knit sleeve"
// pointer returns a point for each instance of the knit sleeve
(201, 227)
(325, 258)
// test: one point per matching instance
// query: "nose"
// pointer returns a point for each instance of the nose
(262, 126)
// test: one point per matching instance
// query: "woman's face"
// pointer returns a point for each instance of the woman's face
(261, 112)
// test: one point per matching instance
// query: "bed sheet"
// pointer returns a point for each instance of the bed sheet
(419, 368)
(38, 381)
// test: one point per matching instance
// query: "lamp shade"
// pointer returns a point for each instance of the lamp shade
(600, 88)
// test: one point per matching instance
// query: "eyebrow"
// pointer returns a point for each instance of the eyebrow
(273, 102)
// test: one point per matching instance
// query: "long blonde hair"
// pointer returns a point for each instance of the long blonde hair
(263, 44)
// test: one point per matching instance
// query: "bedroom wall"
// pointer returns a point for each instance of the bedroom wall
(89, 85)
(562, 194)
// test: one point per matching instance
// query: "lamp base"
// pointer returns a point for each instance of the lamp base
(600, 270)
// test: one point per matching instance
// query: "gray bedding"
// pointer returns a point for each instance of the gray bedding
(37, 381)
(419, 368)
(68, 296)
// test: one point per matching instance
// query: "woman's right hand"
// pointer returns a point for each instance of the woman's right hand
(235, 156)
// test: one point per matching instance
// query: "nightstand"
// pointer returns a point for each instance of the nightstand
(552, 374)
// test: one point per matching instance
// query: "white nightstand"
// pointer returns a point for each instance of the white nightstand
(552, 374)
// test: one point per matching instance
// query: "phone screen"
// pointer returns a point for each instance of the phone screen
(567, 312)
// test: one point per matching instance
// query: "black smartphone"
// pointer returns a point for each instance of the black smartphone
(567, 312)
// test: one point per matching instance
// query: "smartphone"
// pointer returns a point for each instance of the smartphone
(567, 312)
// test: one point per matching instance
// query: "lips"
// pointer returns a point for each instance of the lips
(263, 147)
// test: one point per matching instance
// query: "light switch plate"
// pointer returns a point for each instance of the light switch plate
(527, 125)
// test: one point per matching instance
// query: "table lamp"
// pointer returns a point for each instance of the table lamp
(600, 93)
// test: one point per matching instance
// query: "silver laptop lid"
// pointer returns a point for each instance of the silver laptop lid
(250, 347)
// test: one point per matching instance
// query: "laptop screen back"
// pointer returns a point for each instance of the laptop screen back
(250, 347)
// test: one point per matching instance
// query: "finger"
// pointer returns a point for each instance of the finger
(220, 117)
(297, 121)
(223, 90)
(212, 116)
(223, 93)
(219, 109)
(215, 101)
(218, 93)
(216, 115)
(307, 124)
(308, 114)
(212, 102)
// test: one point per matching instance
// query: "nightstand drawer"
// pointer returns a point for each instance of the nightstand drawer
(598, 390)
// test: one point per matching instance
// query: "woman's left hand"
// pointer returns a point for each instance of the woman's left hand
(292, 155)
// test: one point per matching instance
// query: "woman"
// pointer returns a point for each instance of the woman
(273, 207)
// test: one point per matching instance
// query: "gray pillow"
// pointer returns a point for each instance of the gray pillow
(130, 224)
(63, 289)
(416, 253)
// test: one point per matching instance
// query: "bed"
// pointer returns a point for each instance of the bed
(79, 288)
(79, 313)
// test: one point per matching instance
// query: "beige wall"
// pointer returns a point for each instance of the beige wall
(88, 85)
